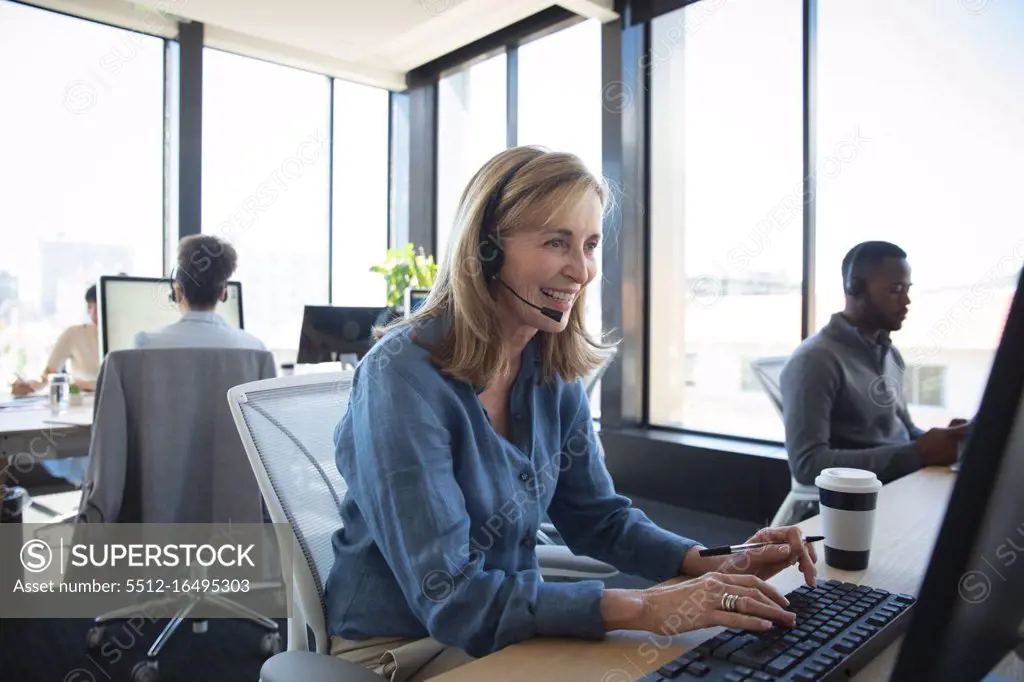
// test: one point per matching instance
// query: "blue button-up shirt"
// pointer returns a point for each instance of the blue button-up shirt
(441, 514)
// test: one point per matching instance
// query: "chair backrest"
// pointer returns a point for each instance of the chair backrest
(287, 427)
(163, 446)
(768, 372)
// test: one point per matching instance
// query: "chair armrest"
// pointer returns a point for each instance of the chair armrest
(305, 666)
(549, 528)
(559, 561)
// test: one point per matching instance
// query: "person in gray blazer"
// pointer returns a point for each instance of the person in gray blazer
(842, 396)
(205, 264)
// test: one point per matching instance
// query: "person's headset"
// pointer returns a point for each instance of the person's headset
(489, 250)
(179, 276)
(853, 285)
(491, 255)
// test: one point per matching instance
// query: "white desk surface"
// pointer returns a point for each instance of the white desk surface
(910, 512)
(39, 418)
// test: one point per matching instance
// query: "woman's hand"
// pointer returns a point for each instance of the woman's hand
(674, 607)
(763, 563)
(769, 561)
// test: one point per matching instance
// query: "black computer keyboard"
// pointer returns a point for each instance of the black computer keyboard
(839, 628)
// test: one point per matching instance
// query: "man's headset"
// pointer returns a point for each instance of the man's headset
(489, 250)
(179, 276)
(852, 285)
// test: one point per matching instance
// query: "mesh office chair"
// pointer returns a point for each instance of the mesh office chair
(768, 372)
(287, 428)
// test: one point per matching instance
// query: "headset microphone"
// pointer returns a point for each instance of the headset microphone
(551, 313)
(492, 256)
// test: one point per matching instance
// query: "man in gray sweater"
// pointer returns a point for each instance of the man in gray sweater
(842, 388)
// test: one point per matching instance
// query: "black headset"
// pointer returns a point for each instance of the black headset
(854, 286)
(174, 278)
(491, 255)
(178, 275)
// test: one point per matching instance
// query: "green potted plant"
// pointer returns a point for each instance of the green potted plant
(74, 396)
(403, 269)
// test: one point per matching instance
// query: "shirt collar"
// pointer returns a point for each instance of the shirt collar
(432, 328)
(842, 329)
(207, 316)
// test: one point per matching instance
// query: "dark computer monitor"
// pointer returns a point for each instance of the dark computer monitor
(414, 298)
(127, 305)
(970, 611)
(329, 332)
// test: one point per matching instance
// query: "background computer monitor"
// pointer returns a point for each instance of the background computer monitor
(414, 298)
(127, 305)
(971, 606)
(328, 332)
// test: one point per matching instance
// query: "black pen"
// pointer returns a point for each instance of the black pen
(733, 549)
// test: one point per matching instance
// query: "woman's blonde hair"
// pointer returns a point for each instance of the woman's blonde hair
(544, 186)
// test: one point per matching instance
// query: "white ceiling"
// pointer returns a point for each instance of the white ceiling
(370, 41)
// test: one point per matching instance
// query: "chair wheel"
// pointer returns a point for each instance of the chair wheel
(270, 644)
(145, 671)
(94, 637)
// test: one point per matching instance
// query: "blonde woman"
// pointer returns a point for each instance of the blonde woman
(468, 422)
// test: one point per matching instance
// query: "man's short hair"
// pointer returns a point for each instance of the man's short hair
(205, 264)
(865, 254)
(90, 294)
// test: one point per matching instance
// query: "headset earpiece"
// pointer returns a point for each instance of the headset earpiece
(852, 285)
(489, 250)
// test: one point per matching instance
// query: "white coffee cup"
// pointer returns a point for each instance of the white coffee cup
(847, 498)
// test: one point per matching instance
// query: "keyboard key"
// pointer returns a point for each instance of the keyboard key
(806, 647)
(846, 587)
(717, 642)
(734, 677)
(780, 665)
(905, 599)
(752, 660)
(815, 668)
(877, 621)
(672, 668)
(845, 645)
(697, 670)
(734, 645)
(744, 671)
(804, 676)
(762, 677)
(831, 657)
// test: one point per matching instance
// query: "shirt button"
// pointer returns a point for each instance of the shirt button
(530, 541)
(524, 476)
(518, 416)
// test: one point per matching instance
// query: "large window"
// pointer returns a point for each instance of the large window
(471, 128)
(560, 108)
(359, 221)
(725, 210)
(81, 139)
(266, 133)
(920, 141)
